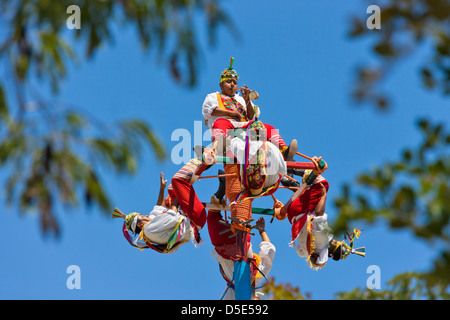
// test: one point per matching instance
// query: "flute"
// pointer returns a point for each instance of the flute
(252, 95)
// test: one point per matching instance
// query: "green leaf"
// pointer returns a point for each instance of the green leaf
(4, 113)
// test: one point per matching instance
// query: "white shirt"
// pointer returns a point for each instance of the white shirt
(211, 103)
(320, 233)
(163, 223)
(266, 252)
(275, 161)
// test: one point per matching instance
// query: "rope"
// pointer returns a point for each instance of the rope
(290, 178)
(291, 188)
(256, 288)
(217, 176)
(229, 285)
(241, 211)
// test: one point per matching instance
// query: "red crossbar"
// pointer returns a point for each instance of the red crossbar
(299, 165)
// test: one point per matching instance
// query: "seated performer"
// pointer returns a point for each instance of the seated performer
(174, 221)
(225, 250)
(225, 110)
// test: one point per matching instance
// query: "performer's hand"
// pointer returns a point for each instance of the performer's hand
(168, 202)
(277, 213)
(209, 157)
(245, 93)
(316, 160)
(281, 213)
(317, 169)
(162, 181)
(261, 223)
(235, 115)
(277, 204)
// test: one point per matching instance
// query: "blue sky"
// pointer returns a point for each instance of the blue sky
(298, 57)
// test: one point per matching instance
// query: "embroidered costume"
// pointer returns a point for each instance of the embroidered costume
(225, 250)
(260, 166)
(219, 125)
(306, 203)
(310, 233)
(313, 238)
(168, 229)
(182, 190)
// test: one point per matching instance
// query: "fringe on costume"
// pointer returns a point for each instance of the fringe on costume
(196, 240)
(292, 242)
(214, 255)
(312, 242)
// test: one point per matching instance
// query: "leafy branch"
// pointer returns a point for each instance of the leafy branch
(52, 155)
(406, 27)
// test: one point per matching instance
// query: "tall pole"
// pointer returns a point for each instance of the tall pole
(242, 274)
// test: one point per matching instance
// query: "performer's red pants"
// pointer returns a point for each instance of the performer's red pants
(184, 192)
(307, 202)
(215, 228)
(221, 126)
(224, 245)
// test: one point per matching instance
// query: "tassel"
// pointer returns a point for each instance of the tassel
(118, 214)
(347, 249)
(360, 251)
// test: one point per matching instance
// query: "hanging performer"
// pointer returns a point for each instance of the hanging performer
(310, 232)
(311, 236)
(260, 164)
(257, 171)
(227, 110)
(225, 249)
(173, 221)
(307, 216)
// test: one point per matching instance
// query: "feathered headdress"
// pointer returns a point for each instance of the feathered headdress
(347, 249)
(229, 73)
(129, 219)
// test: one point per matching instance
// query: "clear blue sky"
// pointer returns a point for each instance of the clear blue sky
(297, 56)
